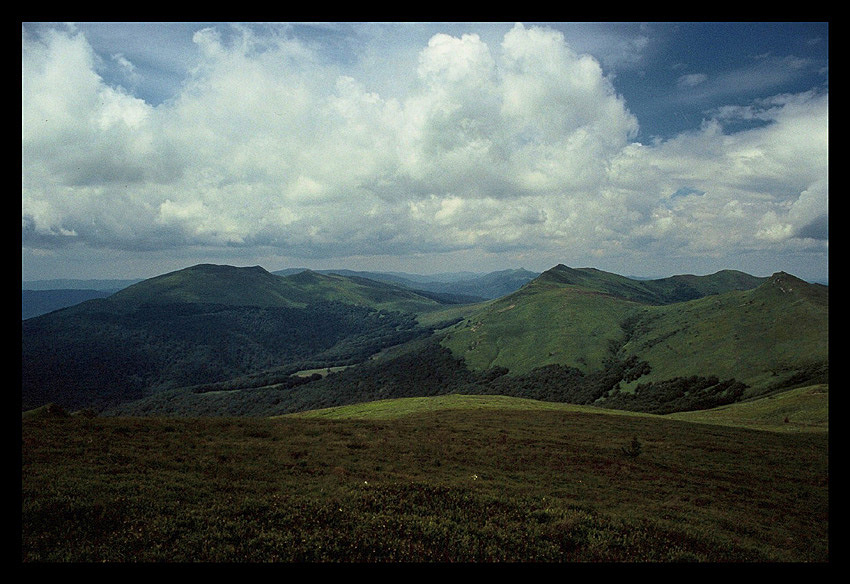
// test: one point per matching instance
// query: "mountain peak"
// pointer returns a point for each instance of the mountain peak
(222, 268)
(785, 279)
(206, 283)
(783, 284)
(786, 282)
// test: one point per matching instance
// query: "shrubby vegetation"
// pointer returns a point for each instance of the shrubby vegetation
(104, 357)
(561, 383)
(430, 370)
(678, 395)
(456, 485)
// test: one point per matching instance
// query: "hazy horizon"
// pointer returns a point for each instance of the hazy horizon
(436, 275)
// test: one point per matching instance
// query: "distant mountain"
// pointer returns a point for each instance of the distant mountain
(70, 284)
(216, 340)
(42, 296)
(209, 284)
(455, 287)
(488, 286)
(429, 291)
(206, 324)
(38, 302)
(254, 286)
(394, 277)
(661, 291)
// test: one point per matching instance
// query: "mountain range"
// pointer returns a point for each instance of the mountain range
(459, 287)
(42, 296)
(38, 302)
(222, 340)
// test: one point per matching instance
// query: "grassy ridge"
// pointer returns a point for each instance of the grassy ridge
(254, 286)
(506, 480)
(308, 286)
(766, 336)
(759, 336)
(662, 291)
(398, 408)
(804, 409)
(541, 326)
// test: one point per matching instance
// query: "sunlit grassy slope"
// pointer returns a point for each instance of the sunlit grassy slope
(800, 410)
(541, 325)
(396, 408)
(758, 336)
(762, 336)
(805, 409)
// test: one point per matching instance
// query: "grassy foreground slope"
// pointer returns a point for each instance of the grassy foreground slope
(804, 409)
(505, 480)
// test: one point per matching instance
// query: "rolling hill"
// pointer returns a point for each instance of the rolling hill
(254, 286)
(218, 340)
(461, 287)
(208, 324)
(766, 337)
(43, 296)
(763, 332)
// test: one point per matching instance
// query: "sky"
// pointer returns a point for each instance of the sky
(644, 149)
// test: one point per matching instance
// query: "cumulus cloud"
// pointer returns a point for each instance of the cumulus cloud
(755, 188)
(522, 145)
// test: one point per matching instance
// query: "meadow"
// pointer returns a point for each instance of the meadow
(441, 479)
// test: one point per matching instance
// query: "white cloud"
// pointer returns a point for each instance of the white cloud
(517, 146)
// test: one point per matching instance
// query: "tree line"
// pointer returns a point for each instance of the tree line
(433, 370)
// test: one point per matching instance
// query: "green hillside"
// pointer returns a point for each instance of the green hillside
(767, 333)
(763, 337)
(309, 286)
(662, 291)
(209, 324)
(542, 324)
(805, 409)
(390, 409)
(219, 340)
(254, 286)
(209, 284)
